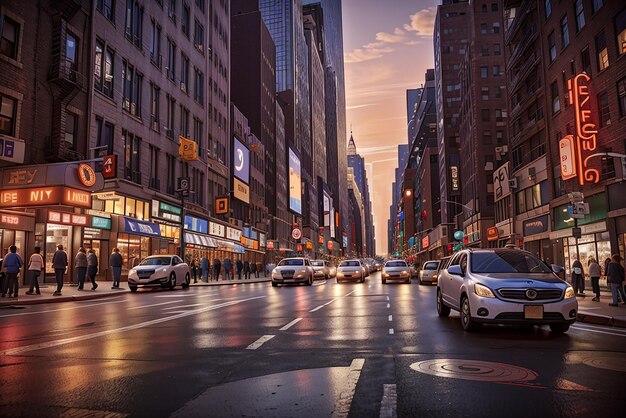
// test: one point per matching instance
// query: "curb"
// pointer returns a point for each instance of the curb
(73, 298)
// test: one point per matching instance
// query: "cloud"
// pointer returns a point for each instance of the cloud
(422, 22)
(366, 54)
(398, 36)
(361, 105)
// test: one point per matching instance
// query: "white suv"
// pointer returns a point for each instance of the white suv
(292, 271)
(505, 286)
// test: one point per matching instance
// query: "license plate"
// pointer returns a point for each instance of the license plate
(533, 312)
(288, 280)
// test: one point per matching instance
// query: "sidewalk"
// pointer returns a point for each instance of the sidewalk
(71, 293)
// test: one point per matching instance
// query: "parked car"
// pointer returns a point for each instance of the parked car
(351, 270)
(292, 271)
(396, 270)
(429, 271)
(159, 270)
(379, 264)
(505, 286)
(320, 268)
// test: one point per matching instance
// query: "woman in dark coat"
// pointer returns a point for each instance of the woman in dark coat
(615, 279)
(246, 270)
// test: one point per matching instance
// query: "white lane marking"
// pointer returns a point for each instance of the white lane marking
(329, 302)
(66, 309)
(598, 331)
(154, 304)
(320, 283)
(350, 293)
(317, 309)
(345, 398)
(390, 318)
(388, 306)
(183, 295)
(183, 306)
(388, 405)
(390, 331)
(387, 297)
(289, 325)
(49, 344)
(259, 342)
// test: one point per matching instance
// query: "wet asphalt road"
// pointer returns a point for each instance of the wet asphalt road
(358, 350)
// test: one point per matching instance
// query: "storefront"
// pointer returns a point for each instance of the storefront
(168, 217)
(134, 240)
(16, 229)
(537, 237)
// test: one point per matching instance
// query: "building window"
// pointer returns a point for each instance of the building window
(171, 108)
(155, 44)
(107, 8)
(8, 115)
(197, 132)
(134, 23)
(171, 10)
(71, 122)
(552, 46)
(532, 197)
(185, 24)
(155, 94)
(132, 89)
(198, 36)
(103, 69)
(485, 93)
(184, 73)
(484, 50)
(621, 96)
(585, 60)
(496, 70)
(171, 59)
(580, 15)
(564, 33)
(200, 5)
(154, 168)
(132, 157)
(484, 72)
(171, 173)
(71, 53)
(9, 39)
(556, 102)
(184, 121)
(603, 106)
(517, 157)
(602, 51)
(496, 27)
(620, 30)
(494, 7)
(483, 28)
(608, 167)
(198, 89)
(496, 49)
(104, 135)
(596, 4)
(500, 115)
(497, 91)
(548, 8)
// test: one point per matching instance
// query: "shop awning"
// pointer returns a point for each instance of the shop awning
(231, 246)
(137, 227)
(199, 239)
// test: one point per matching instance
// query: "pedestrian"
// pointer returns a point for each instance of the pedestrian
(80, 264)
(92, 268)
(3, 272)
(594, 274)
(615, 278)
(267, 269)
(194, 271)
(577, 277)
(116, 262)
(35, 265)
(246, 270)
(204, 266)
(217, 267)
(239, 268)
(253, 270)
(606, 265)
(59, 264)
(259, 268)
(12, 263)
(228, 266)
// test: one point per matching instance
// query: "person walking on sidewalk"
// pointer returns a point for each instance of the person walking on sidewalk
(116, 267)
(577, 277)
(246, 270)
(594, 274)
(228, 267)
(239, 268)
(217, 267)
(59, 264)
(35, 265)
(253, 271)
(13, 264)
(80, 264)
(204, 266)
(615, 278)
(92, 268)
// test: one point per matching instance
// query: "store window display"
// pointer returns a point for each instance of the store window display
(597, 246)
(133, 249)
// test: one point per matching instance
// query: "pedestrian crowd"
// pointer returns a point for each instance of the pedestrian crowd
(613, 273)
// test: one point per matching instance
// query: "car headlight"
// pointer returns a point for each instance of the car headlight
(385, 274)
(132, 271)
(405, 272)
(163, 270)
(483, 291)
(434, 276)
(569, 292)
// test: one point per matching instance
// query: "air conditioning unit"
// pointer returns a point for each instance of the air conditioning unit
(513, 183)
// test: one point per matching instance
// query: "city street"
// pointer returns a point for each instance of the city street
(358, 350)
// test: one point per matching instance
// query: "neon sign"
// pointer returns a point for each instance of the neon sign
(574, 148)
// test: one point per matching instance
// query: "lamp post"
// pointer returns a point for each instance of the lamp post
(183, 191)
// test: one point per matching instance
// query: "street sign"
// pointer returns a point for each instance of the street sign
(109, 166)
(576, 232)
(296, 233)
(184, 184)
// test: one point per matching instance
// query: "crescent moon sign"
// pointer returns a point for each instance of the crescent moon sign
(239, 163)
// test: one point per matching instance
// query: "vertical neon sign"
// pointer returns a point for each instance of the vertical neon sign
(585, 141)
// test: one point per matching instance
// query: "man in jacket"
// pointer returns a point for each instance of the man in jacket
(578, 277)
(246, 270)
(615, 278)
(217, 267)
(227, 269)
(92, 268)
(59, 264)
(204, 266)
(12, 263)
(80, 264)
(239, 268)
(116, 267)
(594, 274)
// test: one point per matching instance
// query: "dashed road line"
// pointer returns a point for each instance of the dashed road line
(259, 342)
(321, 306)
(345, 399)
(289, 325)
(154, 304)
(350, 293)
(388, 405)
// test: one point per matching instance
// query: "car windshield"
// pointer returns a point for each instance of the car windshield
(156, 261)
(507, 262)
(396, 264)
(291, 262)
(317, 263)
(431, 266)
(350, 263)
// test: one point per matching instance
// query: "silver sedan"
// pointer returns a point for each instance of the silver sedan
(396, 270)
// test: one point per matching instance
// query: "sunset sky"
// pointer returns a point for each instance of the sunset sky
(388, 47)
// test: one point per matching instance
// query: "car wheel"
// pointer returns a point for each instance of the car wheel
(467, 322)
(172, 281)
(133, 288)
(559, 328)
(274, 284)
(442, 310)
(187, 281)
(337, 280)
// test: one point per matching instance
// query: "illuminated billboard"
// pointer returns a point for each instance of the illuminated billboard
(295, 183)
(241, 161)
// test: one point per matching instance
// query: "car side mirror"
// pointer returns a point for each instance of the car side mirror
(456, 270)
(556, 268)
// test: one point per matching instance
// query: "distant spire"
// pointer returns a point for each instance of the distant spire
(351, 145)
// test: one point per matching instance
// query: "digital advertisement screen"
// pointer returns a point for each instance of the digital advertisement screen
(295, 183)
(241, 161)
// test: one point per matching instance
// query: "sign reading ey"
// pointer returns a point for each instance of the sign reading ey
(44, 196)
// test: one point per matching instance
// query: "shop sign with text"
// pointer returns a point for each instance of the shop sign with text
(166, 211)
(44, 196)
(233, 234)
(536, 225)
(17, 222)
(216, 229)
